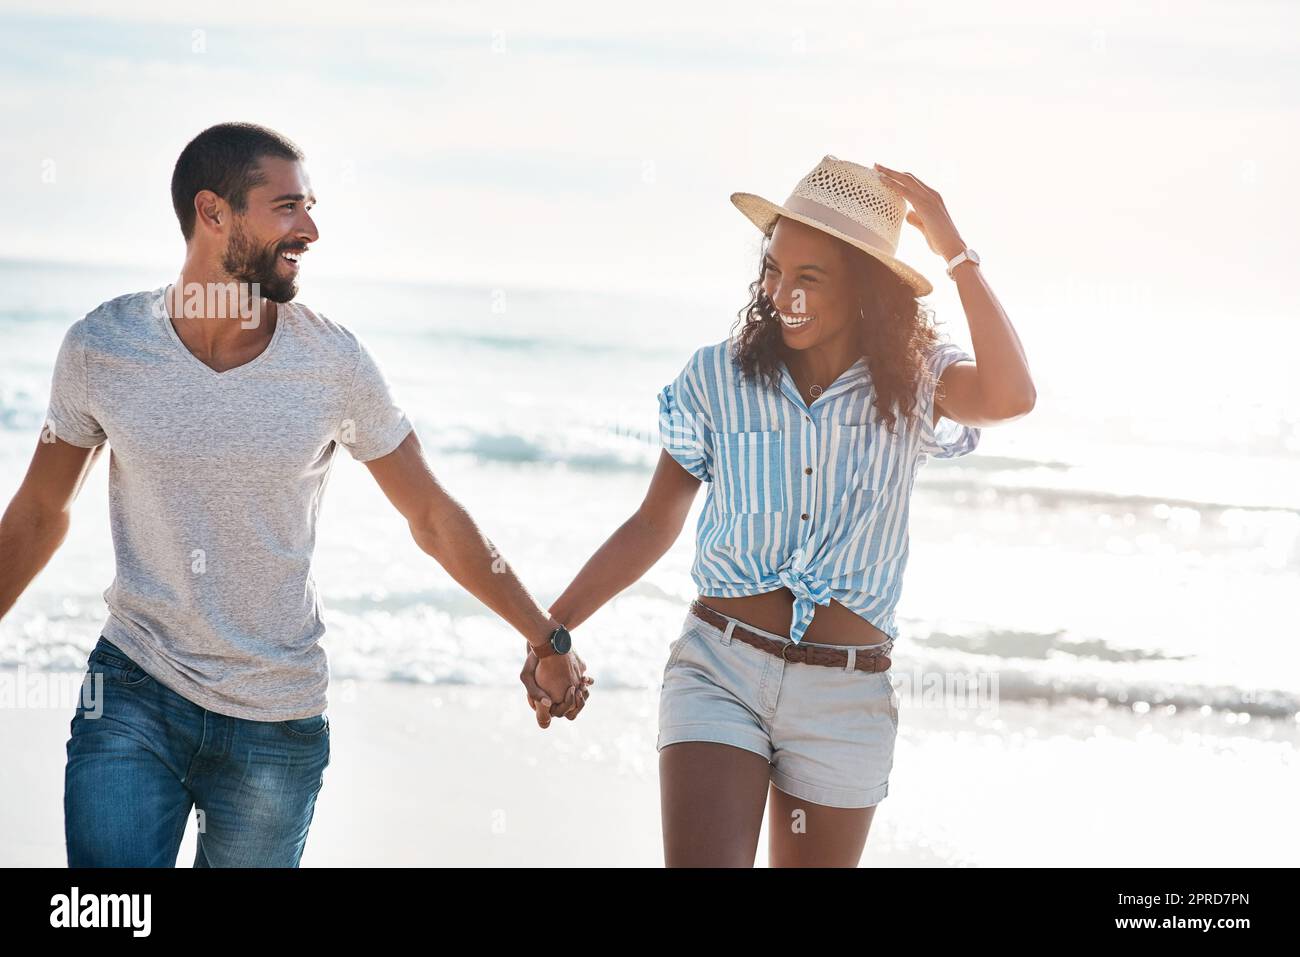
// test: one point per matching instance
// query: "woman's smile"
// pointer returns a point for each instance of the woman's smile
(796, 322)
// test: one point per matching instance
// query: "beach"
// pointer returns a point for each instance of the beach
(533, 224)
(436, 776)
(1134, 600)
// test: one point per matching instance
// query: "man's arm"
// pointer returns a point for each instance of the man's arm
(444, 530)
(37, 519)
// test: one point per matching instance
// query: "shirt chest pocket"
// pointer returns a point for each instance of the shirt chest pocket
(750, 472)
(874, 478)
(875, 458)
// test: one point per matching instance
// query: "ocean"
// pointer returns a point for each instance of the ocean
(1132, 546)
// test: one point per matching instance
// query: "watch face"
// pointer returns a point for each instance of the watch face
(561, 641)
(974, 256)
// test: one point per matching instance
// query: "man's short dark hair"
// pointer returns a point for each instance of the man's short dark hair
(224, 158)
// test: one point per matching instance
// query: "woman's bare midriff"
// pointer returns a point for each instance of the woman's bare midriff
(832, 624)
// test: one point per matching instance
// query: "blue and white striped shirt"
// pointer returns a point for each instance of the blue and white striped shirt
(810, 497)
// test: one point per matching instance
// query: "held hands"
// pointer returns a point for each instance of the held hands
(928, 213)
(556, 685)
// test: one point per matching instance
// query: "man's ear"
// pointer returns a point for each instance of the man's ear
(211, 211)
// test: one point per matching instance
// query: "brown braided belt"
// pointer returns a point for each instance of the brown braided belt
(873, 661)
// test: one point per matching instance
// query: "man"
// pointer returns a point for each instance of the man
(224, 402)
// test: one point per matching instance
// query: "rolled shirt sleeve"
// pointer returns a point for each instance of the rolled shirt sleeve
(373, 423)
(71, 416)
(948, 439)
(685, 427)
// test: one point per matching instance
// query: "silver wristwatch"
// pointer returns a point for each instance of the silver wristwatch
(961, 257)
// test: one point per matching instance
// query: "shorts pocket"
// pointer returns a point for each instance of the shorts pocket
(749, 475)
(892, 696)
(678, 646)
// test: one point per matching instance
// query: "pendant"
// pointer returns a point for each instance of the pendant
(815, 391)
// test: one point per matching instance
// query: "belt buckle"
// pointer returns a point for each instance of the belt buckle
(786, 647)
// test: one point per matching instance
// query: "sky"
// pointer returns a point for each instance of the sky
(1102, 158)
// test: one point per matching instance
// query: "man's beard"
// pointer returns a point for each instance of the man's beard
(246, 263)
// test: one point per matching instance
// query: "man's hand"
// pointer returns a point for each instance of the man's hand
(556, 685)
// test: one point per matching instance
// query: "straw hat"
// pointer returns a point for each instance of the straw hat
(848, 201)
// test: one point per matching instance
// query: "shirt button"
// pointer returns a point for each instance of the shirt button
(807, 418)
(807, 471)
(804, 516)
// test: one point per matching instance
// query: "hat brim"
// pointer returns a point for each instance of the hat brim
(763, 213)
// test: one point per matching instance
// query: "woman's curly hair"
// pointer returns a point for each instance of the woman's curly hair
(894, 335)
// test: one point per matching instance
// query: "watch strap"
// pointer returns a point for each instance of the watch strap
(961, 257)
(544, 650)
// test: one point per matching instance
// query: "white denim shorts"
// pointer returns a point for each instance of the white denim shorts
(828, 733)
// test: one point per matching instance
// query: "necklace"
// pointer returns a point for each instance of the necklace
(815, 390)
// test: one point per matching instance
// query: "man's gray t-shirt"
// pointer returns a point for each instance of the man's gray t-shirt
(215, 482)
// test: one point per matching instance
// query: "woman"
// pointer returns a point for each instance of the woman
(809, 426)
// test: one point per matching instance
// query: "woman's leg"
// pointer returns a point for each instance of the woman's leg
(803, 834)
(834, 735)
(711, 799)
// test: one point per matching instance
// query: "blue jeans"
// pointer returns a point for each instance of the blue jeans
(140, 756)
